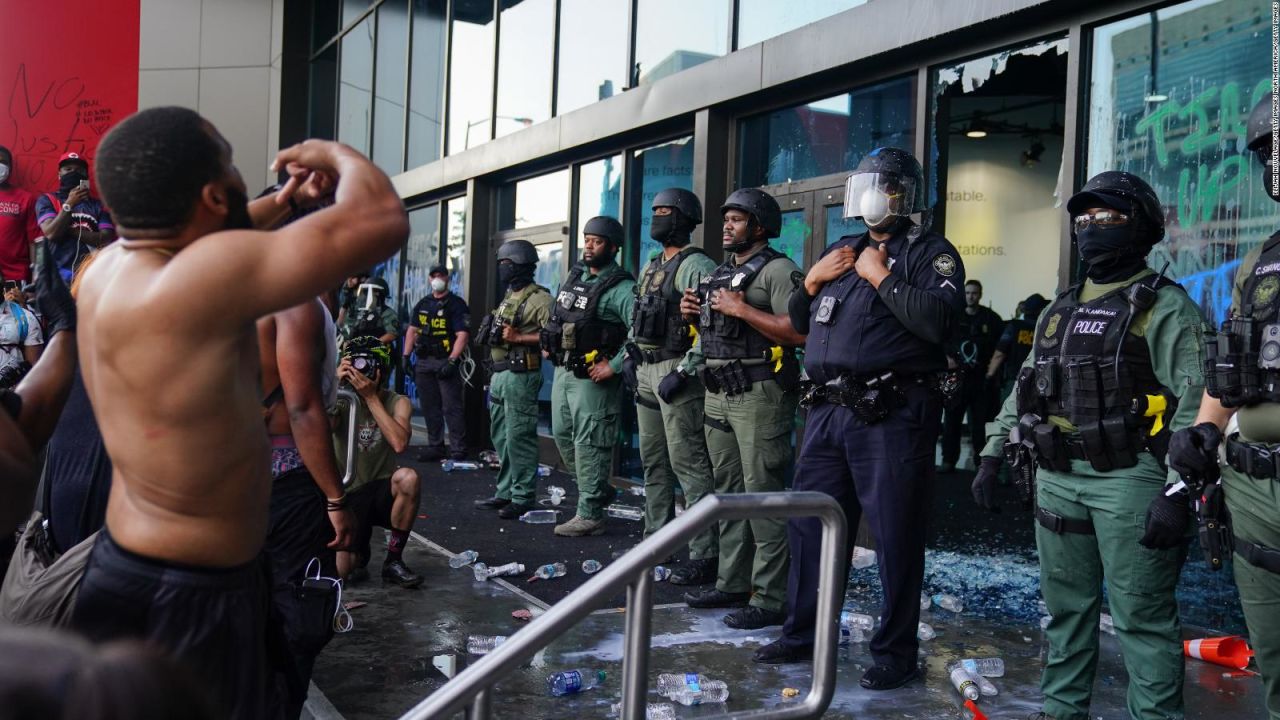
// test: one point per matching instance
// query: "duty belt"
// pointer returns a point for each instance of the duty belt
(734, 378)
(647, 357)
(871, 399)
(1259, 555)
(517, 363)
(1257, 460)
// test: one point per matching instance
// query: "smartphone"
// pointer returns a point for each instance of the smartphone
(84, 184)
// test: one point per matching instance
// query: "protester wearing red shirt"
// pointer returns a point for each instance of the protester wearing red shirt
(18, 227)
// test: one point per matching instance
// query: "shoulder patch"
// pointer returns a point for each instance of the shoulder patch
(945, 265)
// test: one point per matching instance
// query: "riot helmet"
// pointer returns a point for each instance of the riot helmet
(1126, 193)
(1114, 241)
(519, 252)
(675, 228)
(605, 227)
(517, 262)
(1259, 139)
(762, 208)
(888, 184)
(372, 293)
(686, 202)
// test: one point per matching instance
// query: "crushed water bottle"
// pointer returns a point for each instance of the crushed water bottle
(539, 517)
(484, 572)
(591, 567)
(949, 602)
(925, 632)
(986, 667)
(624, 512)
(466, 557)
(859, 621)
(926, 602)
(654, 711)
(555, 494)
(550, 570)
(850, 635)
(671, 682)
(862, 558)
(451, 465)
(569, 682)
(963, 681)
(712, 691)
(661, 573)
(1106, 624)
(484, 644)
(637, 490)
(490, 458)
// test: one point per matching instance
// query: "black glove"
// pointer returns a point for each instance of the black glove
(53, 299)
(1167, 518)
(670, 385)
(629, 374)
(984, 483)
(1193, 451)
(448, 370)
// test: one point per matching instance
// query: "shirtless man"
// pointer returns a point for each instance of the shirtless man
(170, 361)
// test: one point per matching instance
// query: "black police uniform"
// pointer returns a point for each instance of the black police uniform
(879, 455)
(974, 341)
(439, 320)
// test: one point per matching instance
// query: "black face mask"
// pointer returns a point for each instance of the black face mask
(670, 230)
(237, 211)
(515, 276)
(600, 261)
(1110, 253)
(69, 182)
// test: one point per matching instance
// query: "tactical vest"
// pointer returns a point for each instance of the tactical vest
(1242, 361)
(725, 337)
(435, 338)
(575, 326)
(656, 319)
(510, 312)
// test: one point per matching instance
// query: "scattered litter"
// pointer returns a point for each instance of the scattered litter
(1106, 624)
(637, 490)
(790, 693)
(963, 681)
(1231, 651)
(854, 627)
(451, 465)
(661, 573)
(624, 512)
(490, 458)
(654, 711)
(949, 602)
(555, 494)
(484, 572)
(466, 557)
(692, 689)
(569, 682)
(925, 632)
(591, 567)
(539, 517)
(1044, 622)
(973, 708)
(354, 604)
(926, 602)
(484, 644)
(548, 571)
(522, 615)
(986, 667)
(862, 558)
(544, 470)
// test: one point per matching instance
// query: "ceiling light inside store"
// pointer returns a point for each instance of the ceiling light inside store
(1156, 97)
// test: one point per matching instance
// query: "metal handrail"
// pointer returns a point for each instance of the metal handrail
(353, 401)
(472, 687)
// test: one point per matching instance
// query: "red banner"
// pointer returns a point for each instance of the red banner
(68, 72)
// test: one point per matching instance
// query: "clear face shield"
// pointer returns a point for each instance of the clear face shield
(368, 296)
(876, 198)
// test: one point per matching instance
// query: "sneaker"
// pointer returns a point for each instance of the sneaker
(514, 510)
(431, 455)
(884, 677)
(579, 526)
(493, 503)
(695, 572)
(754, 618)
(779, 653)
(714, 598)
(398, 573)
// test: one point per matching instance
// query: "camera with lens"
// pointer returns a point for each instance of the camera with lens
(366, 365)
(1269, 352)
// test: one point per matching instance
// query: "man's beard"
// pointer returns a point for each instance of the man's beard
(238, 217)
(598, 261)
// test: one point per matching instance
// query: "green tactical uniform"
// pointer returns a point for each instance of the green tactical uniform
(388, 320)
(513, 394)
(1255, 515)
(584, 414)
(1073, 565)
(749, 442)
(672, 444)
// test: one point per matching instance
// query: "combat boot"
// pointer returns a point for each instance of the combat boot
(579, 526)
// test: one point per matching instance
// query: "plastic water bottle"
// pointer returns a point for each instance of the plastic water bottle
(466, 557)
(949, 602)
(925, 632)
(850, 635)
(712, 691)
(637, 490)
(484, 644)
(860, 621)
(550, 570)
(660, 573)
(544, 470)
(484, 572)
(926, 602)
(1106, 624)
(624, 512)
(986, 667)
(568, 682)
(451, 465)
(862, 558)
(1042, 607)
(539, 517)
(654, 711)
(481, 571)
(1044, 622)
(556, 494)
(963, 682)
(591, 567)
(671, 682)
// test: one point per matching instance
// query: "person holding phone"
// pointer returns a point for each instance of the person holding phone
(71, 218)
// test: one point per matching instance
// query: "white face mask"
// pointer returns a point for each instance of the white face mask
(875, 207)
(4, 173)
(438, 284)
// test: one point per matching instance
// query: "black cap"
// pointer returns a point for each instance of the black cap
(438, 269)
(1034, 305)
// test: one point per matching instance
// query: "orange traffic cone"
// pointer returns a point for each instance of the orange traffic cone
(1231, 651)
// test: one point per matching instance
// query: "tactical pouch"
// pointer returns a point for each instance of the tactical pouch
(789, 376)
(650, 316)
(1084, 403)
(484, 333)
(1026, 394)
(569, 336)
(677, 336)
(1095, 446)
(1051, 450)
(1230, 372)
(1120, 442)
(547, 341)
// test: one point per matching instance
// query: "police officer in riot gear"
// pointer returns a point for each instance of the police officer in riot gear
(439, 327)
(511, 333)
(368, 315)
(584, 339)
(669, 396)
(1015, 344)
(878, 309)
(752, 383)
(1240, 372)
(1115, 365)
